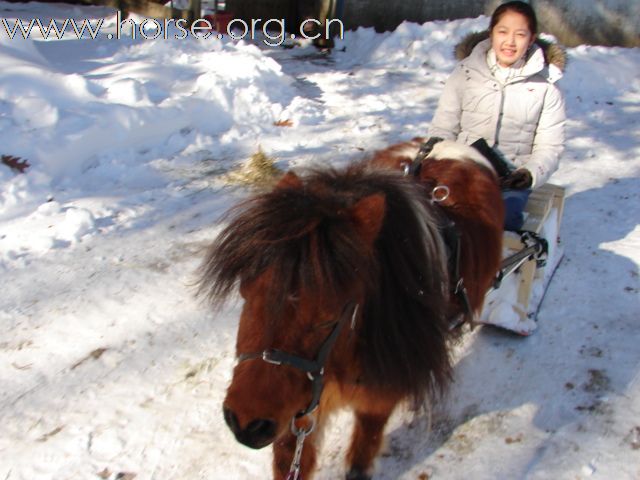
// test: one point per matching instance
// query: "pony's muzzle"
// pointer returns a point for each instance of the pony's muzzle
(258, 433)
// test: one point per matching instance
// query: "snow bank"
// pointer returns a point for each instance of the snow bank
(119, 122)
(146, 92)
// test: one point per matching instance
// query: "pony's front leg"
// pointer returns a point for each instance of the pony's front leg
(284, 451)
(366, 442)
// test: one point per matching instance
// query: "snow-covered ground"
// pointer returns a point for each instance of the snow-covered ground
(110, 368)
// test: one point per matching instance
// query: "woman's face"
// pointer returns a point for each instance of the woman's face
(511, 38)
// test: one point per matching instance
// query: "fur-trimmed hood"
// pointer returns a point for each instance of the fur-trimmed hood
(554, 54)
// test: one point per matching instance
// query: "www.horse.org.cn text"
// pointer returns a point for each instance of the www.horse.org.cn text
(273, 31)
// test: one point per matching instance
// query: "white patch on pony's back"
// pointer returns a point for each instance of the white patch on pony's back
(405, 150)
(450, 150)
(409, 150)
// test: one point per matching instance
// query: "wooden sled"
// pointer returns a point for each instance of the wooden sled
(514, 305)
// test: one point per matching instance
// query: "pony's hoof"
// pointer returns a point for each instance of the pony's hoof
(356, 474)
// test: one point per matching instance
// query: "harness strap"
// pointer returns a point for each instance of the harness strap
(424, 151)
(313, 368)
(450, 233)
(451, 237)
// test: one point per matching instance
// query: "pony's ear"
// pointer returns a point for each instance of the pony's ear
(289, 180)
(368, 214)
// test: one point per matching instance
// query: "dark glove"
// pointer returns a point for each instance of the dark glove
(519, 179)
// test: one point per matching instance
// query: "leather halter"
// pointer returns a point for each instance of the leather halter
(313, 368)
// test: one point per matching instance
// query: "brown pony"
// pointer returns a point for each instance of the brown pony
(347, 299)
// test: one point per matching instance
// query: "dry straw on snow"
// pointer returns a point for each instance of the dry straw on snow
(259, 171)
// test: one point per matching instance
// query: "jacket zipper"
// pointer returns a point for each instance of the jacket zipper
(500, 114)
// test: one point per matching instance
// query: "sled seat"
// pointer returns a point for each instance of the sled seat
(543, 214)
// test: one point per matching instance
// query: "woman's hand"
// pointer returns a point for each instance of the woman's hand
(519, 179)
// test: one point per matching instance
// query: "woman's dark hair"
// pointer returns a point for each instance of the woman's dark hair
(522, 8)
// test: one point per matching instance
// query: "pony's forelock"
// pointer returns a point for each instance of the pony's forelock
(305, 235)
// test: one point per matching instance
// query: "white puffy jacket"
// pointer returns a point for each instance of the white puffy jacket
(524, 118)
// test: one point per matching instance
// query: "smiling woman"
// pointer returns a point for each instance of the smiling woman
(503, 100)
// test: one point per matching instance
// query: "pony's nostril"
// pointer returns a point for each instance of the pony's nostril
(261, 427)
(257, 434)
(231, 419)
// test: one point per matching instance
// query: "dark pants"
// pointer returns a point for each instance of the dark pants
(514, 203)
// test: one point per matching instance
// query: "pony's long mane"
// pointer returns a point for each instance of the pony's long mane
(305, 235)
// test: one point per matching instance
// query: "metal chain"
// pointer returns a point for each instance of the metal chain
(301, 434)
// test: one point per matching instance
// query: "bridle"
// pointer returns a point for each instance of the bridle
(313, 368)
(315, 372)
